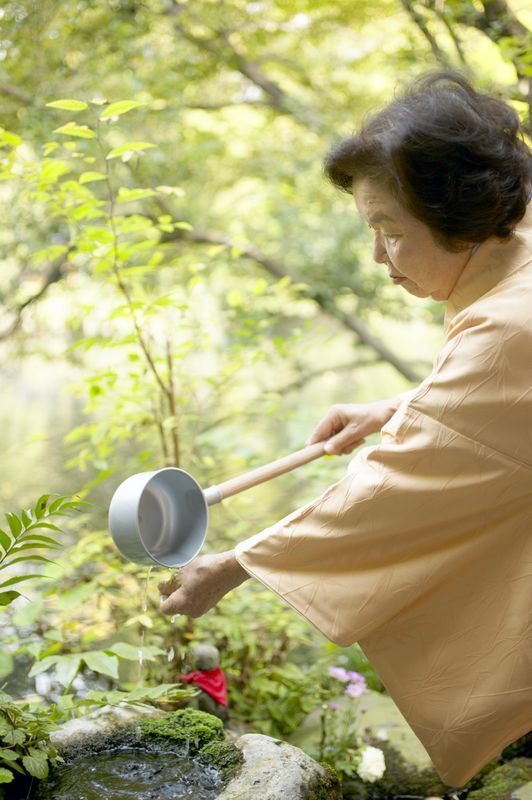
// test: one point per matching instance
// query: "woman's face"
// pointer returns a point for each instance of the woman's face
(406, 246)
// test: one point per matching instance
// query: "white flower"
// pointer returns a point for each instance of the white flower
(372, 764)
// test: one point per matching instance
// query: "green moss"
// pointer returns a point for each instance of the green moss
(502, 781)
(224, 757)
(325, 787)
(187, 726)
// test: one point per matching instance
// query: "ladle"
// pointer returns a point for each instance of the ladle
(162, 516)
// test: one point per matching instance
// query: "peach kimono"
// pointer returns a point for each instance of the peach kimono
(423, 552)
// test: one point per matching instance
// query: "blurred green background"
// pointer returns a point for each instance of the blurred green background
(180, 285)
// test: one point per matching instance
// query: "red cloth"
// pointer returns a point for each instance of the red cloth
(211, 681)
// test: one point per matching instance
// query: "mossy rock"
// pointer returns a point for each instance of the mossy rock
(224, 757)
(501, 782)
(325, 786)
(189, 727)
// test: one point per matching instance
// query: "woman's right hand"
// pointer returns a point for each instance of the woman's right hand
(345, 426)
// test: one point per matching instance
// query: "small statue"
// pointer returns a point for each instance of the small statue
(209, 679)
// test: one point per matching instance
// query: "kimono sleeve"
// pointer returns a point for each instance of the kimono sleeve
(415, 510)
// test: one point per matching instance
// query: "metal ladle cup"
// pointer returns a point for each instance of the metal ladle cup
(161, 517)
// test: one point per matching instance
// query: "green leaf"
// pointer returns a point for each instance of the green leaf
(40, 540)
(8, 755)
(40, 505)
(90, 177)
(49, 147)
(14, 523)
(18, 579)
(99, 661)
(5, 540)
(43, 665)
(5, 775)
(67, 668)
(27, 558)
(119, 108)
(80, 131)
(14, 736)
(7, 597)
(11, 139)
(129, 147)
(131, 652)
(28, 613)
(48, 525)
(58, 502)
(6, 664)
(141, 619)
(68, 105)
(74, 597)
(36, 763)
(18, 548)
(127, 195)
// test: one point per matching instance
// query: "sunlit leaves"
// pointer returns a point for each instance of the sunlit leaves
(72, 129)
(119, 108)
(132, 653)
(8, 139)
(68, 105)
(125, 151)
(91, 177)
(126, 195)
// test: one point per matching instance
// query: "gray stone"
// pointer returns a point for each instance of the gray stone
(275, 770)
(373, 715)
(103, 720)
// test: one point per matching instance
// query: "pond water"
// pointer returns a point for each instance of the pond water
(131, 773)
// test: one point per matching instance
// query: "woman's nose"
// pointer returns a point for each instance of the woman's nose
(380, 256)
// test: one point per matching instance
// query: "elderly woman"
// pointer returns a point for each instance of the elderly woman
(423, 552)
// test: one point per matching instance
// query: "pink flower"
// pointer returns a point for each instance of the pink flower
(356, 689)
(339, 673)
(356, 677)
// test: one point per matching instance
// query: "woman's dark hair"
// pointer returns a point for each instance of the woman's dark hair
(454, 157)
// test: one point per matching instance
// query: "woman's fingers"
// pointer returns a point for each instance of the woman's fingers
(343, 444)
(178, 603)
(333, 422)
(167, 587)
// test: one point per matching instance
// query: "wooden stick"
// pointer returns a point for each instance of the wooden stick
(215, 494)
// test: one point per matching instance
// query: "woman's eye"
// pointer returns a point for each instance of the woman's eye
(393, 237)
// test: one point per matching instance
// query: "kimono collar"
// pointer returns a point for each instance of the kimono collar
(491, 262)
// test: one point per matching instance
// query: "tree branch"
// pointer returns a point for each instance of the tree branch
(275, 96)
(420, 23)
(54, 275)
(495, 20)
(278, 270)
(16, 94)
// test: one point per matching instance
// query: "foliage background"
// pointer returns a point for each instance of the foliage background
(205, 299)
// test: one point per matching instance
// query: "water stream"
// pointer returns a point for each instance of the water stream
(144, 607)
(132, 773)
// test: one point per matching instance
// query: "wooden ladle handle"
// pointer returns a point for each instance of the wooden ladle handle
(215, 494)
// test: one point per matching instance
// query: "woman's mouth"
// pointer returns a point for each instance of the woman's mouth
(397, 278)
